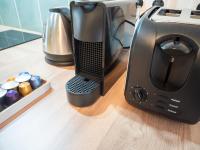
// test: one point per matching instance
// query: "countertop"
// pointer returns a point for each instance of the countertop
(110, 124)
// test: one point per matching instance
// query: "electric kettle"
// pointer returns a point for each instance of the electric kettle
(57, 38)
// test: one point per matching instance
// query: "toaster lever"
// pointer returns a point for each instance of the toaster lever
(171, 63)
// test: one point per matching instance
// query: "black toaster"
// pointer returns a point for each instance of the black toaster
(164, 64)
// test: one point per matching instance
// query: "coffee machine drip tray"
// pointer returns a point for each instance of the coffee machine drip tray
(12, 38)
(82, 91)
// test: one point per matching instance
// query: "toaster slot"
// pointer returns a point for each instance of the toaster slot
(195, 14)
(170, 12)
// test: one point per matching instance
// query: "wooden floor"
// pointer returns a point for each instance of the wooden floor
(110, 124)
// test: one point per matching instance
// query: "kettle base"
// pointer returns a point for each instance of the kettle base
(59, 60)
(56, 63)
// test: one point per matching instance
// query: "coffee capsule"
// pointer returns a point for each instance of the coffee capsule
(11, 79)
(10, 85)
(35, 81)
(25, 88)
(23, 78)
(12, 96)
(2, 96)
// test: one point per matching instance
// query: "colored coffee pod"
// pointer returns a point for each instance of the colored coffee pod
(12, 96)
(10, 85)
(25, 88)
(2, 96)
(11, 78)
(23, 78)
(35, 81)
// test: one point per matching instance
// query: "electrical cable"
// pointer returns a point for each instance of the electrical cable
(125, 21)
(139, 3)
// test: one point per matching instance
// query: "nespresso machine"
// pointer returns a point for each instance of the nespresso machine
(164, 64)
(98, 29)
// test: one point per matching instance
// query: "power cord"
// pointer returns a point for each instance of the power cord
(139, 3)
(125, 21)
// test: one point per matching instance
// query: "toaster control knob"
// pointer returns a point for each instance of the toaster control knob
(141, 94)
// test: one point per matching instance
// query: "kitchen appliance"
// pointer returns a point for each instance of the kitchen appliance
(98, 28)
(164, 64)
(198, 7)
(57, 37)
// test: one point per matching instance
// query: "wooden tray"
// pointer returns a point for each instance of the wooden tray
(11, 112)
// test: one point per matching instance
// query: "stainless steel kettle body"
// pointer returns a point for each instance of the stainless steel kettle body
(57, 38)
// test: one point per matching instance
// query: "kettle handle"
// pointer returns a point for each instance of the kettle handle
(44, 32)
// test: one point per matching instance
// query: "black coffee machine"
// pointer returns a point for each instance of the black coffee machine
(98, 29)
(164, 64)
